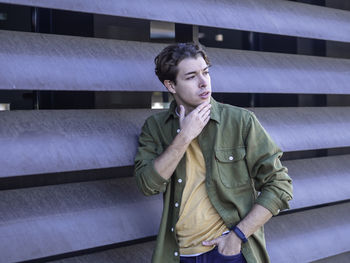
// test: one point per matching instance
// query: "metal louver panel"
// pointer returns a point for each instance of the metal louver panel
(52, 224)
(267, 16)
(48, 141)
(45, 221)
(50, 62)
(33, 142)
(344, 257)
(309, 235)
(144, 253)
(310, 128)
(319, 181)
(264, 72)
(140, 253)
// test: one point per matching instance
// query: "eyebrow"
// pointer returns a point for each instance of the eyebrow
(194, 72)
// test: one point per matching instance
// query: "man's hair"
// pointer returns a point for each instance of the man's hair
(168, 59)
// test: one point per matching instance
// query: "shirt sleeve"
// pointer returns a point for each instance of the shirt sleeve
(270, 176)
(148, 179)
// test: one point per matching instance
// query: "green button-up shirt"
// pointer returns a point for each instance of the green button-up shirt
(243, 168)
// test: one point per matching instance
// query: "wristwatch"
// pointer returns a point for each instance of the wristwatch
(239, 233)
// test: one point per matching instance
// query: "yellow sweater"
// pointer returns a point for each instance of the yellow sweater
(198, 220)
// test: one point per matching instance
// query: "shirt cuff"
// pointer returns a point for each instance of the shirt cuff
(272, 203)
(155, 180)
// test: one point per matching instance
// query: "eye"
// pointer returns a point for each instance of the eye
(206, 72)
(191, 77)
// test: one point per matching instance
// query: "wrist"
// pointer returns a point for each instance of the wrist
(238, 232)
(186, 140)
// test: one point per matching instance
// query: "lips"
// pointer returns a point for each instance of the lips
(205, 94)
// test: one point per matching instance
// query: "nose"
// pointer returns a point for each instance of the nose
(203, 81)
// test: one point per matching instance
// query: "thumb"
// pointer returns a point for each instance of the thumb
(212, 242)
(182, 113)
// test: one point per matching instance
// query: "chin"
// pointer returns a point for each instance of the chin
(207, 99)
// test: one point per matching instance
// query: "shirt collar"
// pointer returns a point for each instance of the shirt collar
(214, 111)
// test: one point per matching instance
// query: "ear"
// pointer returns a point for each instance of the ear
(170, 86)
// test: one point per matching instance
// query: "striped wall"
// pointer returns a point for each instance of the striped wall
(66, 188)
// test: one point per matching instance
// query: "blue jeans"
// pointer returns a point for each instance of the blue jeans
(213, 256)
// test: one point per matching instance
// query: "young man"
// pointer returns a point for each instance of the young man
(218, 169)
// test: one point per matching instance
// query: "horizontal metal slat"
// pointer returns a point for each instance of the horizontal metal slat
(344, 257)
(35, 142)
(267, 16)
(30, 61)
(104, 213)
(319, 181)
(309, 235)
(45, 221)
(140, 253)
(264, 72)
(307, 128)
(313, 227)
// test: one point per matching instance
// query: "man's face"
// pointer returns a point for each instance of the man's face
(193, 85)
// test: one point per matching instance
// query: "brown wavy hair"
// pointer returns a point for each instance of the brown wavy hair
(167, 60)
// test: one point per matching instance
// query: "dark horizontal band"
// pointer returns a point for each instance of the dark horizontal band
(239, 233)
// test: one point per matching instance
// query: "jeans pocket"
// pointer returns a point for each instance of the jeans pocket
(237, 258)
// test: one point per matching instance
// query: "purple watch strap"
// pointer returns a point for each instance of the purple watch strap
(239, 233)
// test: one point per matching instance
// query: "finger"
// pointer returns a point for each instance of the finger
(205, 110)
(205, 114)
(213, 242)
(182, 113)
(202, 106)
(206, 120)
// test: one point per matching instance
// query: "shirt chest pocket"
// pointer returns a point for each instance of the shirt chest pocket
(231, 166)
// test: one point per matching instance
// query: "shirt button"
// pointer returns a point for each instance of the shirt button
(178, 130)
(230, 158)
(176, 253)
(176, 204)
(172, 229)
(180, 181)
